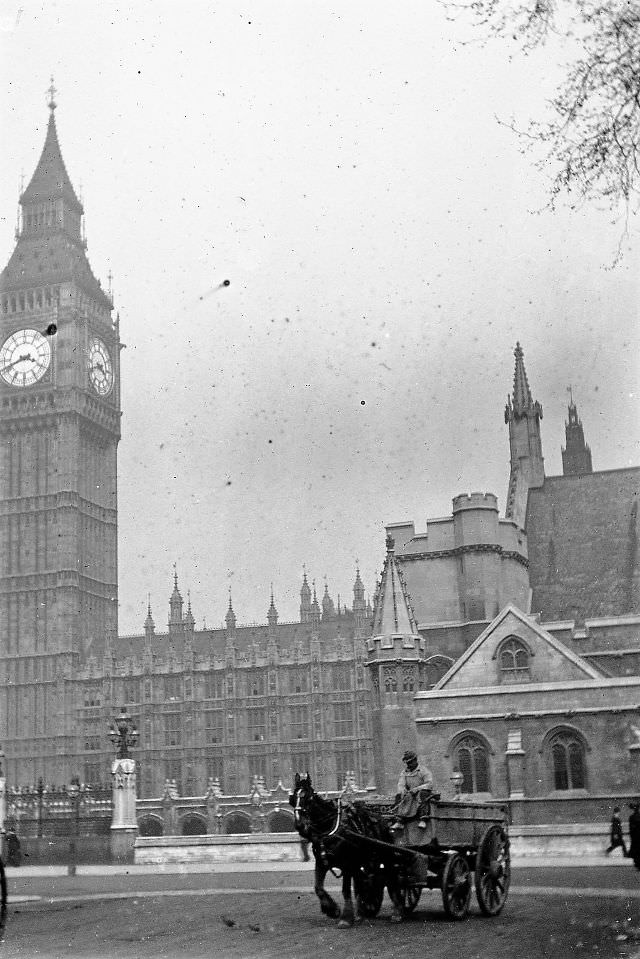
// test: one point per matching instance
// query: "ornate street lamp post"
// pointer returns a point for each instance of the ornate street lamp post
(123, 734)
(74, 794)
(124, 827)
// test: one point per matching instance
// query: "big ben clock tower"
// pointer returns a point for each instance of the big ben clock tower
(59, 432)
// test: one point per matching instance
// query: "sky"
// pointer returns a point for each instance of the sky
(350, 169)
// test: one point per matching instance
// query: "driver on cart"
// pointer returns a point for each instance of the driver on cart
(415, 785)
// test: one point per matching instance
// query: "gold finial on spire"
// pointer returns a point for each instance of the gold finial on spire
(51, 103)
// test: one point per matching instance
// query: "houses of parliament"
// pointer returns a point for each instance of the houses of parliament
(334, 693)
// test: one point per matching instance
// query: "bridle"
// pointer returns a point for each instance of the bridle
(298, 813)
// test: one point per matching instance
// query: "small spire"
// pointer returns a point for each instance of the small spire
(51, 90)
(272, 614)
(149, 624)
(230, 618)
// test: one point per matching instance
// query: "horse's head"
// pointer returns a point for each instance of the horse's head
(300, 799)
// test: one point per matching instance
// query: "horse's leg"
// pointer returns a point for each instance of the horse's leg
(346, 916)
(397, 913)
(328, 905)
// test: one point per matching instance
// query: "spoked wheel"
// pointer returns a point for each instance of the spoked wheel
(409, 897)
(493, 870)
(456, 886)
(369, 889)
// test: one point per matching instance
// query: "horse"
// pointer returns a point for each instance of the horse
(332, 826)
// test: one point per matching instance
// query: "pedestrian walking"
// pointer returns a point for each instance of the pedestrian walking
(616, 838)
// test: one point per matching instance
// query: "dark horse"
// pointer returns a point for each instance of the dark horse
(333, 826)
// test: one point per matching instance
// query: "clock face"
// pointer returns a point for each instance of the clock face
(25, 357)
(100, 367)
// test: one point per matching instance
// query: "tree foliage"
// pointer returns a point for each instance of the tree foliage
(592, 135)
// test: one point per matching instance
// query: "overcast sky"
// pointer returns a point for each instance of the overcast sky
(386, 245)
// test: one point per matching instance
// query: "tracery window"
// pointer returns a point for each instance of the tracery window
(471, 757)
(568, 760)
(513, 659)
(390, 679)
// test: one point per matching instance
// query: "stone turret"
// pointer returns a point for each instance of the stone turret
(305, 599)
(576, 455)
(522, 415)
(176, 624)
(397, 670)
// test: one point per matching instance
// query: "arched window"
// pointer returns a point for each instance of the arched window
(513, 661)
(568, 760)
(471, 757)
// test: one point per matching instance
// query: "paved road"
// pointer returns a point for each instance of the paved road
(272, 914)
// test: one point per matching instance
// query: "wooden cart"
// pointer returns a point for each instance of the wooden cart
(462, 840)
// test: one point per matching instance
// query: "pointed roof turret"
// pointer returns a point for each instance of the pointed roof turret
(189, 619)
(230, 618)
(576, 455)
(358, 587)
(149, 625)
(522, 402)
(328, 609)
(393, 614)
(51, 248)
(50, 180)
(175, 602)
(272, 614)
(305, 598)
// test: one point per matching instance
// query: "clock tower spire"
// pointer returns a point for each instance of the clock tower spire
(59, 432)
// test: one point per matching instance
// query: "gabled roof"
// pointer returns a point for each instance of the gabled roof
(534, 629)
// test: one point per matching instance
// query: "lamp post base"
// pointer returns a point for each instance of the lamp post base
(123, 840)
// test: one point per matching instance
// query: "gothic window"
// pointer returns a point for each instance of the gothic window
(341, 676)
(257, 767)
(214, 686)
(213, 726)
(299, 682)
(256, 725)
(343, 719)
(375, 680)
(255, 684)
(131, 691)
(172, 687)
(301, 763)
(390, 679)
(92, 735)
(92, 696)
(188, 688)
(513, 660)
(92, 775)
(147, 689)
(172, 730)
(471, 757)
(568, 760)
(300, 722)
(408, 679)
(173, 771)
(344, 764)
(272, 682)
(215, 768)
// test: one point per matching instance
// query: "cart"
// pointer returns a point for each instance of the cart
(461, 840)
